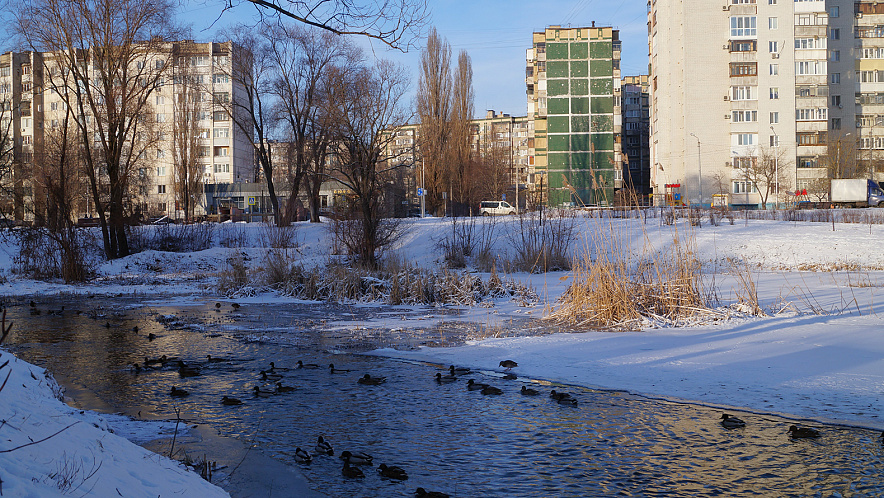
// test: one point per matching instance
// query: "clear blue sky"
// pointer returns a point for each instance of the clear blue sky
(496, 34)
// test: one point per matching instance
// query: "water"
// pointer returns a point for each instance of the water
(446, 437)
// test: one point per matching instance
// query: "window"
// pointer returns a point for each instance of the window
(773, 47)
(774, 140)
(200, 60)
(807, 162)
(221, 133)
(222, 151)
(834, 12)
(810, 43)
(811, 138)
(744, 139)
(743, 46)
(836, 100)
(835, 33)
(204, 133)
(836, 123)
(161, 189)
(745, 116)
(220, 78)
(836, 78)
(203, 151)
(161, 100)
(161, 207)
(160, 64)
(161, 154)
(221, 116)
(742, 187)
(222, 168)
(818, 114)
(771, 2)
(774, 69)
(743, 93)
(810, 67)
(743, 26)
(161, 118)
(771, 23)
(161, 171)
(221, 97)
(834, 55)
(745, 162)
(774, 117)
(744, 69)
(774, 93)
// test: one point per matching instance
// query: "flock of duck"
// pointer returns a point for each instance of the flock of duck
(795, 432)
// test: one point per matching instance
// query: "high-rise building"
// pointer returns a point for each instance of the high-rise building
(750, 101)
(196, 73)
(634, 139)
(573, 80)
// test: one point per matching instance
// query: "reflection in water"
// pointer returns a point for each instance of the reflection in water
(446, 437)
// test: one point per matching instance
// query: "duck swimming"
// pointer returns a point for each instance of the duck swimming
(351, 472)
(261, 394)
(178, 393)
(270, 377)
(803, 432)
(230, 401)
(302, 456)
(301, 364)
(731, 422)
(527, 391)
(557, 395)
(458, 370)
(445, 379)
(368, 380)
(423, 493)
(187, 371)
(274, 368)
(357, 457)
(332, 369)
(475, 386)
(392, 472)
(491, 390)
(323, 447)
(283, 389)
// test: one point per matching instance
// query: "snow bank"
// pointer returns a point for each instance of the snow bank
(50, 449)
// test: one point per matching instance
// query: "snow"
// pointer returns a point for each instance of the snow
(817, 355)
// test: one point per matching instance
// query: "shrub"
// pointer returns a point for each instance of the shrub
(541, 244)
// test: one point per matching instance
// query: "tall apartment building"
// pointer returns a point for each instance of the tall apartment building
(635, 107)
(738, 83)
(34, 109)
(573, 82)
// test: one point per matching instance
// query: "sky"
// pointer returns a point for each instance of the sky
(495, 33)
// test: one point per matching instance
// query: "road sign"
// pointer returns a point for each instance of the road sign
(252, 201)
(420, 192)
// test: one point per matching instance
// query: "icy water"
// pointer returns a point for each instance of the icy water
(446, 437)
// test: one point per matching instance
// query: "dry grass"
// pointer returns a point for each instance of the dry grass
(747, 294)
(617, 288)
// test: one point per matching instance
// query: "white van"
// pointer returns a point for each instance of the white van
(493, 208)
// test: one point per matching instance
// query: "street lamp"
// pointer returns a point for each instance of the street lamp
(699, 170)
(776, 166)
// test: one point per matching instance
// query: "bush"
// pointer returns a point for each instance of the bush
(470, 240)
(170, 237)
(541, 243)
(71, 254)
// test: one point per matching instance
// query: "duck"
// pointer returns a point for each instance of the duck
(301, 364)
(803, 432)
(210, 359)
(557, 395)
(217, 306)
(226, 401)
(323, 447)
(445, 379)
(392, 472)
(332, 369)
(423, 493)
(527, 391)
(731, 422)
(156, 361)
(357, 457)
(458, 370)
(267, 377)
(475, 386)
(135, 329)
(508, 364)
(261, 394)
(186, 371)
(151, 336)
(368, 380)
(302, 456)
(283, 389)
(274, 368)
(569, 401)
(178, 393)
(351, 472)
(235, 306)
(491, 390)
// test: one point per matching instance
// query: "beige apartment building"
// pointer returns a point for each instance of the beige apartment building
(735, 83)
(32, 109)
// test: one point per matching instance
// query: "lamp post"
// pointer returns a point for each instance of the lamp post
(699, 170)
(776, 145)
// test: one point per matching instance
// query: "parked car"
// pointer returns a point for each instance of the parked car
(494, 208)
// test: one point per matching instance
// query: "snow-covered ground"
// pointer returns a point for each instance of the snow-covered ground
(819, 354)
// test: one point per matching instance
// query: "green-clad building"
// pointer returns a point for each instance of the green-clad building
(573, 79)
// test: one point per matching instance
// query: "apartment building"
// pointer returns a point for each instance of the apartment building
(575, 121)
(635, 107)
(198, 74)
(740, 87)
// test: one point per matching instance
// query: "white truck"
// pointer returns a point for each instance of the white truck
(856, 193)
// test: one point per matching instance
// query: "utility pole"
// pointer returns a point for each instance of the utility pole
(776, 145)
(699, 170)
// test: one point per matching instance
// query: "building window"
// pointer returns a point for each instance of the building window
(771, 2)
(774, 93)
(834, 12)
(161, 189)
(741, 187)
(834, 55)
(221, 116)
(836, 101)
(774, 69)
(221, 97)
(220, 78)
(745, 162)
(222, 168)
(835, 33)
(743, 26)
(222, 133)
(836, 78)
(160, 154)
(744, 69)
(773, 47)
(807, 162)
(818, 114)
(744, 139)
(772, 23)
(744, 46)
(161, 171)
(161, 100)
(774, 117)
(774, 140)
(836, 123)
(743, 93)
(744, 116)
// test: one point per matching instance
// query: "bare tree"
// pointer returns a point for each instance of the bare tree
(187, 146)
(434, 109)
(254, 72)
(767, 173)
(843, 159)
(107, 59)
(461, 131)
(6, 154)
(397, 23)
(302, 57)
(494, 172)
(364, 102)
